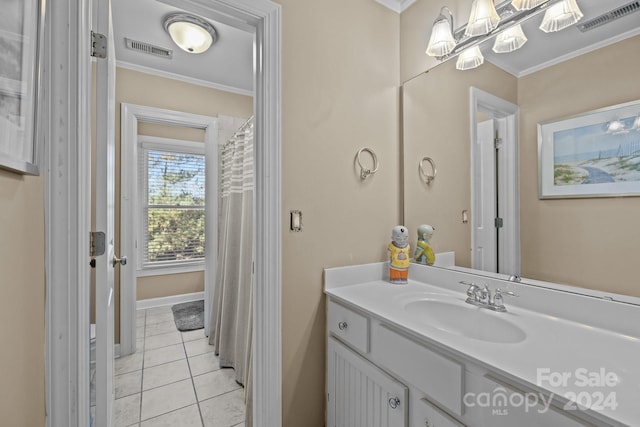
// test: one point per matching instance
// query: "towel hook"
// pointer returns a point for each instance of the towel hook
(364, 173)
(424, 175)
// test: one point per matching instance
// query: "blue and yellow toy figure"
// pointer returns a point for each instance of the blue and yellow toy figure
(424, 253)
(399, 249)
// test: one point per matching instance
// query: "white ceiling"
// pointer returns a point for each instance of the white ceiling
(545, 49)
(227, 65)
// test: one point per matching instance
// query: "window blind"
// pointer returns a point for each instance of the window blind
(172, 207)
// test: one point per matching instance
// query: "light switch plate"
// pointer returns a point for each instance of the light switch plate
(296, 221)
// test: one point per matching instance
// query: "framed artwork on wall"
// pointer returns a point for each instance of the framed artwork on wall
(21, 26)
(594, 154)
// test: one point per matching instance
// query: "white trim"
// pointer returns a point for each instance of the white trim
(67, 177)
(177, 145)
(192, 80)
(170, 300)
(131, 114)
(151, 143)
(595, 46)
(508, 181)
(116, 350)
(398, 6)
(171, 269)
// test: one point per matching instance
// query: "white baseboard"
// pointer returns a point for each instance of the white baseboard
(116, 350)
(174, 299)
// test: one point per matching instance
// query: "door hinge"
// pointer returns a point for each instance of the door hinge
(96, 243)
(497, 143)
(98, 45)
(498, 222)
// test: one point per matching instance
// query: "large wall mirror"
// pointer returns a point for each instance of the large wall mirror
(586, 242)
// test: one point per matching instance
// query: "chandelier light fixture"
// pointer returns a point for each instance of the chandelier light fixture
(469, 59)
(483, 19)
(441, 42)
(560, 16)
(503, 23)
(526, 4)
(511, 39)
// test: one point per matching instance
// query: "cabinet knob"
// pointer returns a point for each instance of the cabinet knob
(342, 325)
(394, 402)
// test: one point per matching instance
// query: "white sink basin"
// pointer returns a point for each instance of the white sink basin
(466, 320)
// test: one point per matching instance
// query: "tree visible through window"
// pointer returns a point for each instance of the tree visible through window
(174, 207)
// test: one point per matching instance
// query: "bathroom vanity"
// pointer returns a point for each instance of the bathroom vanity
(420, 355)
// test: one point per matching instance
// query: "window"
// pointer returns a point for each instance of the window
(172, 203)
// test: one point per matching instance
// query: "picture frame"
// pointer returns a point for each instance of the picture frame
(21, 28)
(594, 154)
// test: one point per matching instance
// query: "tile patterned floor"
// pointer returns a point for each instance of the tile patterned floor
(174, 380)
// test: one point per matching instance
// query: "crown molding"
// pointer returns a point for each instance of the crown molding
(398, 6)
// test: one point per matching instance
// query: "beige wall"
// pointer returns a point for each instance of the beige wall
(169, 284)
(22, 299)
(436, 124)
(591, 243)
(340, 93)
(144, 89)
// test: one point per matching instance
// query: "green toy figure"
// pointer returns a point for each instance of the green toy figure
(399, 249)
(424, 253)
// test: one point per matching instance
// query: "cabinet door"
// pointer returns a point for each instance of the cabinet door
(360, 394)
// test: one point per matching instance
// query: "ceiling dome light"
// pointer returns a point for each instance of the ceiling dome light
(470, 58)
(483, 19)
(441, 42)
(190, 33)
(509, 40)
(560, 16)
(526, 4)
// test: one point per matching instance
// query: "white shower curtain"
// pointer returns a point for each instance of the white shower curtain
(231, 318)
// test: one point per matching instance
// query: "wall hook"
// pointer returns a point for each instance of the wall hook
(364, 173)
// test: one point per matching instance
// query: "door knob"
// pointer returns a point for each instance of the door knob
(121, 261)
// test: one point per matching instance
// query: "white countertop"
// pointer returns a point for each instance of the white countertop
(557, 344)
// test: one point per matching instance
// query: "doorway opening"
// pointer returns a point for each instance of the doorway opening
(68, 201)
(495, 215)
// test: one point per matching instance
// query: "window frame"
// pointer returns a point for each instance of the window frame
(146, 142)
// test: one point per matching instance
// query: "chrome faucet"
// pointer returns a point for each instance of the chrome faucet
(482, 297)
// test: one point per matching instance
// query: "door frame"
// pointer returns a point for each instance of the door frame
(68, 204)
(130, 116)
(508, 180)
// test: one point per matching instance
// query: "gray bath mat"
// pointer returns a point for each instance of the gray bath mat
(189, 315)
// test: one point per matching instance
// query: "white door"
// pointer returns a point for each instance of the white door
(485, 250)
(104, 204)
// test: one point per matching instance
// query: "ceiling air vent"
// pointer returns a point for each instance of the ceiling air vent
(148, 48)
(610, 16)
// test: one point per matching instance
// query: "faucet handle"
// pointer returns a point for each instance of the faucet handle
(471, 291)
(501, 292)
(497, 302)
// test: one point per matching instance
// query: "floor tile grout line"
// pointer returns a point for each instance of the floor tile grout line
(193, 384)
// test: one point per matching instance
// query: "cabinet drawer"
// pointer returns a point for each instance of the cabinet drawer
(493, 402)
(425, 414)
(349, 326)
(432, 373)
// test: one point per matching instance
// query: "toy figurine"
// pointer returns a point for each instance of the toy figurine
(424, 253)
(399, 249)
